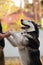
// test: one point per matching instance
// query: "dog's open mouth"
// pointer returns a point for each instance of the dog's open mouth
(25, 27)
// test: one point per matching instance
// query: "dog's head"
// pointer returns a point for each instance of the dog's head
(30, 26)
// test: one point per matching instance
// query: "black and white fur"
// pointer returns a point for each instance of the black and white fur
(27, 43)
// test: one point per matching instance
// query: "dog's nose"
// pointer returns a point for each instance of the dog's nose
(21, 20)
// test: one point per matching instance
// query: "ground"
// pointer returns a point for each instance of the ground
(15, 61)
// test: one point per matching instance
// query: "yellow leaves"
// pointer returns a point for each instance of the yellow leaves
(3, 9)
(7, 7)
(4, 27)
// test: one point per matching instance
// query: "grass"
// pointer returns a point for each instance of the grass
(15, 61)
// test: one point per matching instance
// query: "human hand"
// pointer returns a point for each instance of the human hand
(7, 34)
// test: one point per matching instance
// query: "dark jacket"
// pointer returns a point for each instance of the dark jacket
(2, 43)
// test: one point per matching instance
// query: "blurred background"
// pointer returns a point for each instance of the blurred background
(11, 13)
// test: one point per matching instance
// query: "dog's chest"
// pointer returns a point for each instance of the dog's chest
(24, 56)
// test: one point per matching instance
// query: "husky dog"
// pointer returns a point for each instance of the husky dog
(27, 42)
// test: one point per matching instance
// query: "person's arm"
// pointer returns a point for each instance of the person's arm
(7, 34)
